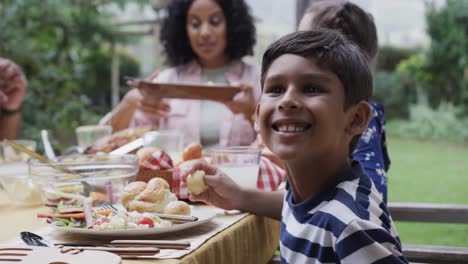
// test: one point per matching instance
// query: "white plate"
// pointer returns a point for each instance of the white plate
(203, 213)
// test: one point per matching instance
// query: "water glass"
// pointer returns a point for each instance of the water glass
(8, 154)
(239, 163)
(171, 141)
(88, 135)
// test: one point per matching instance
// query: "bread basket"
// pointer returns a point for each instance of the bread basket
(146, 175)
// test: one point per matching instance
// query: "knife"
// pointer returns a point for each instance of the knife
(129, 147)
(162, 244)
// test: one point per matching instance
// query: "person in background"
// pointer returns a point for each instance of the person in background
(359, 27)
(12, 90)
(314, 105)
(205, 41)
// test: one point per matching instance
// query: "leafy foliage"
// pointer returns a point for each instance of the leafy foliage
(443, 69)
(446, 123)
(64, 49)
(389, 57)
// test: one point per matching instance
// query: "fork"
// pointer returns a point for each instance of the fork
(108, 206)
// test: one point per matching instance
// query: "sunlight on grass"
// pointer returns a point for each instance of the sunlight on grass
(429, 172)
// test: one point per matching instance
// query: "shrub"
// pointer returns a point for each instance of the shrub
(389, 57)
(442, 124)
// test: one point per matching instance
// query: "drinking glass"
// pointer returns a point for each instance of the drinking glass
(171, 141)
(239, 163)
(88, 135)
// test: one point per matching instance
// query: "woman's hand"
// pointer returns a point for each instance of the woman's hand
(146, 102)
(222, 191)
(12, 85)
(243, 102)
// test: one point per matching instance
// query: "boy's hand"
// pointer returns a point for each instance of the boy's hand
(222, 191)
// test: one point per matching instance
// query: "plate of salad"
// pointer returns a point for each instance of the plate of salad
(82, 218)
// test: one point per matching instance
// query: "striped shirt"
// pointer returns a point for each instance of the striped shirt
(344, 223)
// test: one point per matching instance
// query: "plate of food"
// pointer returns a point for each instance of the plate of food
(124, 224)
(209, 91)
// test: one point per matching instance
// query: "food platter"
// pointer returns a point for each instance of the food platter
(215, 92)
(203, 213)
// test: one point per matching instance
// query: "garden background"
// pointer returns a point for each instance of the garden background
(65, 50)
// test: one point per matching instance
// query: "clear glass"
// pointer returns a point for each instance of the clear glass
(100, 176)
(239, 163)
(10, 155)
(171, 141)
(88, 135)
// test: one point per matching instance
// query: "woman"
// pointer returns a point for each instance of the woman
(205, 41)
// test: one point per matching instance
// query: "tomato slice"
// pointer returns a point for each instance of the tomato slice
(101, 220)
(146, 221)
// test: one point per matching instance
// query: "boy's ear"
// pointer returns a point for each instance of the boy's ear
(359, 117)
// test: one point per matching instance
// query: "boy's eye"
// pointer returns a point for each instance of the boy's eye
(311, 89)
(275, 89)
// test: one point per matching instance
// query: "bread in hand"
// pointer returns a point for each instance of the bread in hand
(195, 182)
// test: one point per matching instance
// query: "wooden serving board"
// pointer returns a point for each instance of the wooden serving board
(38, 255)
(189, 91)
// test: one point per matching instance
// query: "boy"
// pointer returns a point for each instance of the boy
(313, 108)
(359, 27)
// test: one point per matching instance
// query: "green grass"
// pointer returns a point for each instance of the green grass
(429, 172)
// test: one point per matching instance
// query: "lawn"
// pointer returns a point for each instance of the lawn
(429, 172)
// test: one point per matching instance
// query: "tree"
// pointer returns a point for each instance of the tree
(446, 61)
(63, 47)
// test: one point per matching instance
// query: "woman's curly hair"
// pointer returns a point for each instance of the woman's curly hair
(239, 24)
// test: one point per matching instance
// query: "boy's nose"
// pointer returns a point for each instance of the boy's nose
(290, 102)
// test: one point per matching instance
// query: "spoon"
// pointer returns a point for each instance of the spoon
(32, 239)
(49, 151)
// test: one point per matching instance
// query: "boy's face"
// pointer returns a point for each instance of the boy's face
(301, 113)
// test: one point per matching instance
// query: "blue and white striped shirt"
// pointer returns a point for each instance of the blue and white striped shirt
(344, 223)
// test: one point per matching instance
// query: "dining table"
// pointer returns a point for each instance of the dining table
(248, 239)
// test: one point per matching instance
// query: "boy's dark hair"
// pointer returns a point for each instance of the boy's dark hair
(332, 51)
(239, 24)
(348, 18)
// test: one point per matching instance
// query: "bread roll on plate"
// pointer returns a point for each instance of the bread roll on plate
(177, 208)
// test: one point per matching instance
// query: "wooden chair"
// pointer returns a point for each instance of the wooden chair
(432, 213)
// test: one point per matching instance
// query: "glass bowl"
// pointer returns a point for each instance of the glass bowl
(99, 176)
(16, 187)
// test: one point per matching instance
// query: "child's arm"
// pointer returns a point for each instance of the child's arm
(363, 241)
(225, 193)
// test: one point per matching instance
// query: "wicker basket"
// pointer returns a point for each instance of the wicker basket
(146, 175)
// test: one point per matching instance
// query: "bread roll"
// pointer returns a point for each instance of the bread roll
(195, 182)
(147, 197)
(142, 206)
(146, 152)
(130, 191)
(192, 151)
(177, 208)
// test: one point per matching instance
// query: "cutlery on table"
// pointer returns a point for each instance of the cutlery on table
(32, 239)
(161, 244)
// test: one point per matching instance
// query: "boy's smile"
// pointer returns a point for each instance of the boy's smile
(301, 114)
